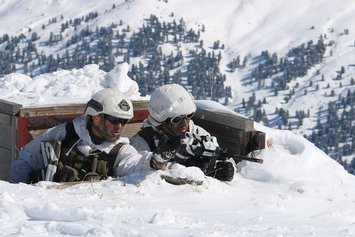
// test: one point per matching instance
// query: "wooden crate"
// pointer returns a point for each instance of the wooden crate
(234, 132)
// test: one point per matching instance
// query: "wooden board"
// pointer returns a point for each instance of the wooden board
(6, 131)
(131, 128)
(227, 119)
(5, 119)
(6, 135)
(234, 133)
(5, 162)
(7, 140)
(67, 109)
(10, 108)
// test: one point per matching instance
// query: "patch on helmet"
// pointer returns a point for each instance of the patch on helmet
(124, 105)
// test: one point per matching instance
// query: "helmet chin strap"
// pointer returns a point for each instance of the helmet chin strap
(103, 134)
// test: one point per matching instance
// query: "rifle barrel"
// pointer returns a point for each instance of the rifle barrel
(239, 157)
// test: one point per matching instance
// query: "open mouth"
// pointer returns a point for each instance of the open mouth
(183, 129)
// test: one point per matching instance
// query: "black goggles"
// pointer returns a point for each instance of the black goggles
(115, 120)
(178, 119)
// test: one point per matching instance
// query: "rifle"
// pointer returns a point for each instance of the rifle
(223, 155)
(237, 158)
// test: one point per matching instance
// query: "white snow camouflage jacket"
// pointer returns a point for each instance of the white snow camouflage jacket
(142, 145)
(128, 160)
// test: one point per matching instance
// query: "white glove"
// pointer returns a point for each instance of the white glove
(159, 160)
(194, 145)
(210, 145)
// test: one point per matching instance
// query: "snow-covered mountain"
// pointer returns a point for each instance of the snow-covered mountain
(298, 191)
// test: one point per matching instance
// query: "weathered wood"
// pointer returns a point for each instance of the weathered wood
(5, 138)
(5, 119)
(131, 128)
(4, 173)
(48, 121)
(227, 119)
(5, 162)
(5, 154)
(71, 109)
(52, 110)
(234, 133)
(255, 140)
(6, 131)
(140, 104)
(10, 108)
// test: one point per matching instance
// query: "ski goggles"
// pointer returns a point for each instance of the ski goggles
(179, 118)
(115, 120)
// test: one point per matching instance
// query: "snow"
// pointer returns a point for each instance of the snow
(65, 87)
(297, 191)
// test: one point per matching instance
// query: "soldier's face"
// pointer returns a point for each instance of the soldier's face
(178, 129)
(110, 126)
(113, 130)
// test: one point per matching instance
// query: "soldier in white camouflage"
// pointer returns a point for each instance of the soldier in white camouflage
(172, 136)
(89, 147)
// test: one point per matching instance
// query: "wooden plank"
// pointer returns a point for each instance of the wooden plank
(6, 136)
(10, 108)
(5, 162)
(48, 121)
(4, 172)
(229, 138)
(131, 128)
(68, 109)
(255, 140)
(5, 119)
(233, 132)
(5, 156)
(227, 119)
(231, 145)
(217, 127)
(140, 104)
(52, 110)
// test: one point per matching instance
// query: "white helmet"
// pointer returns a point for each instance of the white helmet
(169, 101)
(111, 102)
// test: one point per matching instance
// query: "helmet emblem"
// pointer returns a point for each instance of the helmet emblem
(123, 105)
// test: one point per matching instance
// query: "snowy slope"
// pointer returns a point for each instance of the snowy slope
(298, 191)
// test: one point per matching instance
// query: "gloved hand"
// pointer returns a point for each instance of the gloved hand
(194, 145)
(159, 160)
(210, 146)
(224, 170)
